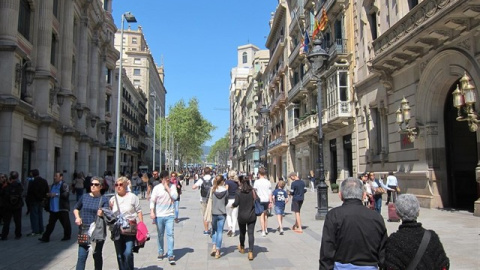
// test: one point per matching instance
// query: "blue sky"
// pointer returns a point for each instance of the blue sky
(197, 42)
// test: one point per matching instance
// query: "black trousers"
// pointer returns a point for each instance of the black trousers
(64, 218)
(389, 194)
(250, 227)
(17, 219)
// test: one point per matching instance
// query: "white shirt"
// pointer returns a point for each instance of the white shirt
(264, 189)
(392, 180)
(199, 183)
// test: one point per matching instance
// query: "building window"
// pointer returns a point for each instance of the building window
(108, 102)
(244, 58)
(136, 72)
(373, 25)
(108, 76)
(136, 83)
(55, 8)
(24, 19)
(53, 50)
(137, 61)
(412, 4)
(378, 131)
(134, 40)
(106, 3)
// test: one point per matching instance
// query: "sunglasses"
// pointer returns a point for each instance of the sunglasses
(95, 184)
(119, 185)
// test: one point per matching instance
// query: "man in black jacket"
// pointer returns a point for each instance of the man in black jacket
(11, 196)
(59, 208)
(352, 233)
(36, 193)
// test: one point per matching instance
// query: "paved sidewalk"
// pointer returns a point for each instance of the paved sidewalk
(459, 232)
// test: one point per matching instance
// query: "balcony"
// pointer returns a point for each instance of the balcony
(296, 91)
(278, 50)
(339, 113)
(309, 80)
(338, 48)
(297, 18)
(295, 58)
(278, 102)
(335, 6)
(305, 128)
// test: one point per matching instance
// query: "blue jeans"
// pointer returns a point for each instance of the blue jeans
(176, 204)
(36, 217)
(123, 248)
(97, 256)
(165, 224)
(218, 221)
(378, 203)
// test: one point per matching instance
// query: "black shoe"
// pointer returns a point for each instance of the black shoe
(65, 239)
(43, 240)
(160, 258)
(171, 260)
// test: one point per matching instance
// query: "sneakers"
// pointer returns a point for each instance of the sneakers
(171, 260)
(281, 232)
(206, 232)
(264, 234)
(160, 257)
(230, 233)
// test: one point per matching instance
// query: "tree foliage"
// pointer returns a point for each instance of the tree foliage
(188, 128)
(220, 151)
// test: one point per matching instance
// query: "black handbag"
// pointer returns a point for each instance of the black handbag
(83, 238)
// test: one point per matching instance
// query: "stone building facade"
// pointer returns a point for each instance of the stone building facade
(54, 56)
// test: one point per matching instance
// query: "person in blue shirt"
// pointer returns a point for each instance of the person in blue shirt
(297, 192)
(280, 198)
(59, 208)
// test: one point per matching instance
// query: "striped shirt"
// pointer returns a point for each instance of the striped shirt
(162, 202)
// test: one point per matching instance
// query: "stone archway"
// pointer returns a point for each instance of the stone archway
(435, 83)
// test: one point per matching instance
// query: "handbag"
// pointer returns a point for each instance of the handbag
(128, 226)
(380, 191)
(208, 210)
(83, 238)
(258, 205)
(98, 229)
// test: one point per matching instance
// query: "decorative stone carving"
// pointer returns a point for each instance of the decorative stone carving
(465, 44)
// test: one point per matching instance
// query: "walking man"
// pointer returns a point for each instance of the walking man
(297, 193)
(353, 236)
(392, 182)
(59, 208)
(163, 211)
(11, 196)
(205, 183)
(36, 193)
(263, 187)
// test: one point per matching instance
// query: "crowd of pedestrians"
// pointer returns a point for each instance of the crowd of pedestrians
(353, 237)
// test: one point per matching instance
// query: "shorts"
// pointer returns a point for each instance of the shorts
(296, 206)
(279, 210)
(203, 207)
(265, 206)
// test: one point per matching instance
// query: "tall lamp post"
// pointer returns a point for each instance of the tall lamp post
(127, 16)
(265, 113)
(154, 96)
(317, 57)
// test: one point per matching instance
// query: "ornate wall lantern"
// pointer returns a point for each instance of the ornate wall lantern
(403, 117)
(464, 100)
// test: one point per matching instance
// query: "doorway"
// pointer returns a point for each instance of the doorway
(462, 158)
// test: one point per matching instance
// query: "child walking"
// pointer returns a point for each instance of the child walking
(280, 198)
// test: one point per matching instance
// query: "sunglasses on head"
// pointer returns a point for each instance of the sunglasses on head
(119, 185)
(95, 184)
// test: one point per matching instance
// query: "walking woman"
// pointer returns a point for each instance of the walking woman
(232, 213)
(86, 211)
(246, 214)
(78, 185)
(130, 210)
(219, 213)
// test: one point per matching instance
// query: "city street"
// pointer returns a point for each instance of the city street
(459, 232)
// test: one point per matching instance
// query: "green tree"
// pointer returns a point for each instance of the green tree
(220, 151)
(189, 129)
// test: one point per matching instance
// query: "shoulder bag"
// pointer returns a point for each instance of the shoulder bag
(257, 204)
(127, 226)
(421, 250)
(85, 231)
(208, 210)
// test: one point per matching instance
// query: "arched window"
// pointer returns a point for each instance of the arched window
(244, 57)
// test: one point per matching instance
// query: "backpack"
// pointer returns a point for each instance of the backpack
(205, 188)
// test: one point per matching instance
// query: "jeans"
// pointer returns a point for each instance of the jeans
(232, 215)
(124, 250)
(378, 203)
(176, 205)
(64, 218)
(97, 256)
(218, 221)
(165, 224)
(36, 217)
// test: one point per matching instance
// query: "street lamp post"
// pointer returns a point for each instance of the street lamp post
(265, 113)
(317, 58)
(127, 16)
(154, 96)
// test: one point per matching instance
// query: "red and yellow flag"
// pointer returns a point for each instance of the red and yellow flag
(320, 26)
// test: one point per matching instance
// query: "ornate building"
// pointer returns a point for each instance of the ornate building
(411, 57)
(54, 56)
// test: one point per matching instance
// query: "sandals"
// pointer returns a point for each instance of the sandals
(213, 252)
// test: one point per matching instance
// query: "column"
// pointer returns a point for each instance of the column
(82, 58)
(67, 62)
(8, 39)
